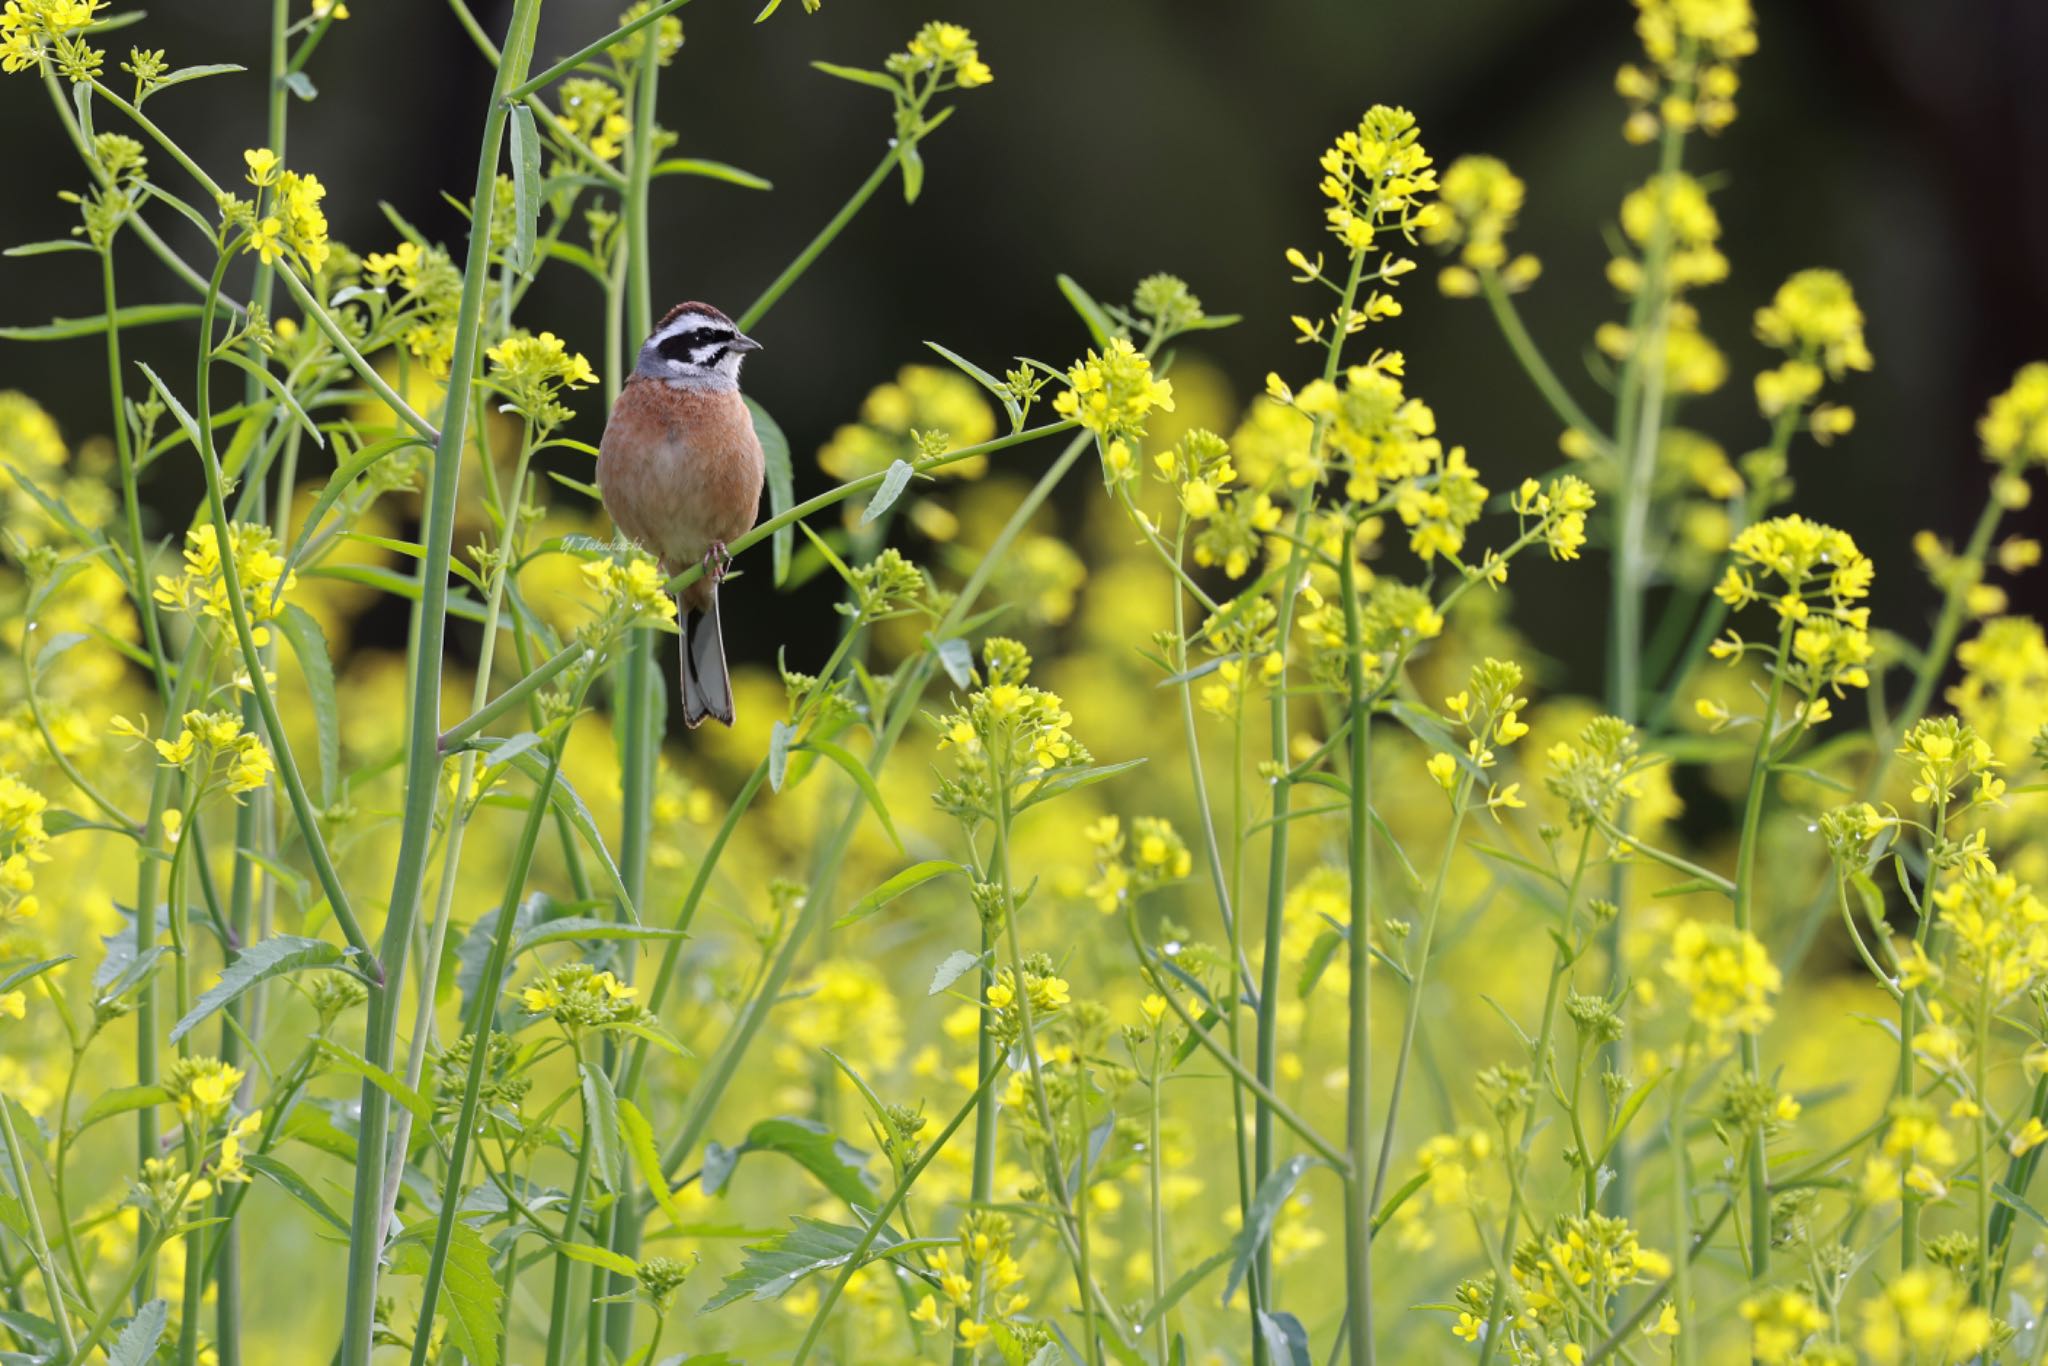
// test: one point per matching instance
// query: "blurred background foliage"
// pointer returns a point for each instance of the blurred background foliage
(1901, 143)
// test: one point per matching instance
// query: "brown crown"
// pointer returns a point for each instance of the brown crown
(690, 307)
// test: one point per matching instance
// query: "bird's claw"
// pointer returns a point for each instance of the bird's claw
(717, 560)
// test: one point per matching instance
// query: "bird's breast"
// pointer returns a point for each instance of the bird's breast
(680, 468)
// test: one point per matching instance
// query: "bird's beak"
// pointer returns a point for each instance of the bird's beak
(743, 343)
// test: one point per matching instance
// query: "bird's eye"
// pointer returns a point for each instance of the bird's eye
(687, 347)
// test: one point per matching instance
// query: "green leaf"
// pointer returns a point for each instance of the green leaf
(1627, 1112)
(135, 315)
(139, 1340)
(581, 929)
(651, 1030)
(638, 1137)
(601, 1126)
(1258, 1224)
(912, 162)
(894, 482)
(296, 1186)
(45, 248)
(1073, 779)
(617, 1262)
(284, 396)
(981, 377)
(30, 971)
(878, 79)
(1099, 325)
(770, 1269)
(309, 643)
(837, 1164)
(378, 1077)
(2008, 1196)
(778, 754)
(525, 187)
(1286, 1340)
(1186, 1281)
(338, 484)
(195, 73)
(781, 486)
(122, 1100)
(862, 779)
(272, 957)
(712, 170)
(300, 84)
(951, 969)
(471, 1302)
(1317, 962)
(916, 875)
(563, 797)
(956, 657)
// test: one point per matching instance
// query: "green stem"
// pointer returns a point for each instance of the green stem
(795, 269)
(591, 49)
(38, 1244)
(1538, 369)
(423, 753)
(1359, 1202)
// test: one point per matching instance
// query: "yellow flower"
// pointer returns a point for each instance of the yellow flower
(1110, 393)
(1444, 769)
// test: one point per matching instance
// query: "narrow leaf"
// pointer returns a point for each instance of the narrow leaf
(862, 779)
(893, 483)
(916, 875)
(525, 187)
(778, 754)
(582, 929)
(951, 969)
(781, 486)
(638, 1137)
(1265, 1208)
(879, 80)
(1099, 325)
(296, 1186)
(712, 170)
(135, 315)
(601, 1127)
(309, 643)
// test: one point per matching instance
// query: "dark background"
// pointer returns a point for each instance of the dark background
(1902, 142)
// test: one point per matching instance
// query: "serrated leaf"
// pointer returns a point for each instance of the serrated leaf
(122, 1100)
(894, 482)
(781, 487)
(638, 1137)
(601, 1126)
(951, 969)
(837, 1164)
(272, 957)
(309, 643)
(1265, 1208)
(525, 187)
(139, 1340)
(770, 1269)
(471, 1302)
(916, 875)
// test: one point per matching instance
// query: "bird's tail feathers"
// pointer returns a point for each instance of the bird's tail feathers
(707, 687)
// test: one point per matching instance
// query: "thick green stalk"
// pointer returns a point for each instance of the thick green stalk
(1358, 1202)
(816, 248)
(480, 1051)
(423, 751)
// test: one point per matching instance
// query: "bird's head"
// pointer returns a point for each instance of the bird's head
(695, 346)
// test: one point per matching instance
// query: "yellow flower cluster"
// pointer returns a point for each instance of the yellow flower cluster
(1727, 977)
(1111, 393)
(2014, 428)
(940, 50)
(578, 996)
(1584, 1260)
(1676, 205)
(1692, 46)
(289, 217)
(23, 842)
(1780, 1321)
(2000, 930)
(595, 112)
(633, 586)
(1947, 754)
(1560, 508)
(1815, 320)
(1376, 177)
(201, 1088)
(1924, 1316)
(1821, 572)
(1006, 736)
(30, 29)
(259, 568)
(1491, 714)
(922, 402)
(1150, 856)
(1199, 469)
(217, 747)
(2003, 693)
(532, 372)
(1479, 200)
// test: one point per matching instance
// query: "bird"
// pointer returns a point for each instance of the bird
(680, 469)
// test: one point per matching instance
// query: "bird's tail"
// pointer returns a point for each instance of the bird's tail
(707, 688)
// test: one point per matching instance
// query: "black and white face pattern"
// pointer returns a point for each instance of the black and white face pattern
(696, 348)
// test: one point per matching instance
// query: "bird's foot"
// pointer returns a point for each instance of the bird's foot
(717, 560)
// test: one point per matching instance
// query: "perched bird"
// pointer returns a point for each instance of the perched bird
(680, 469)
